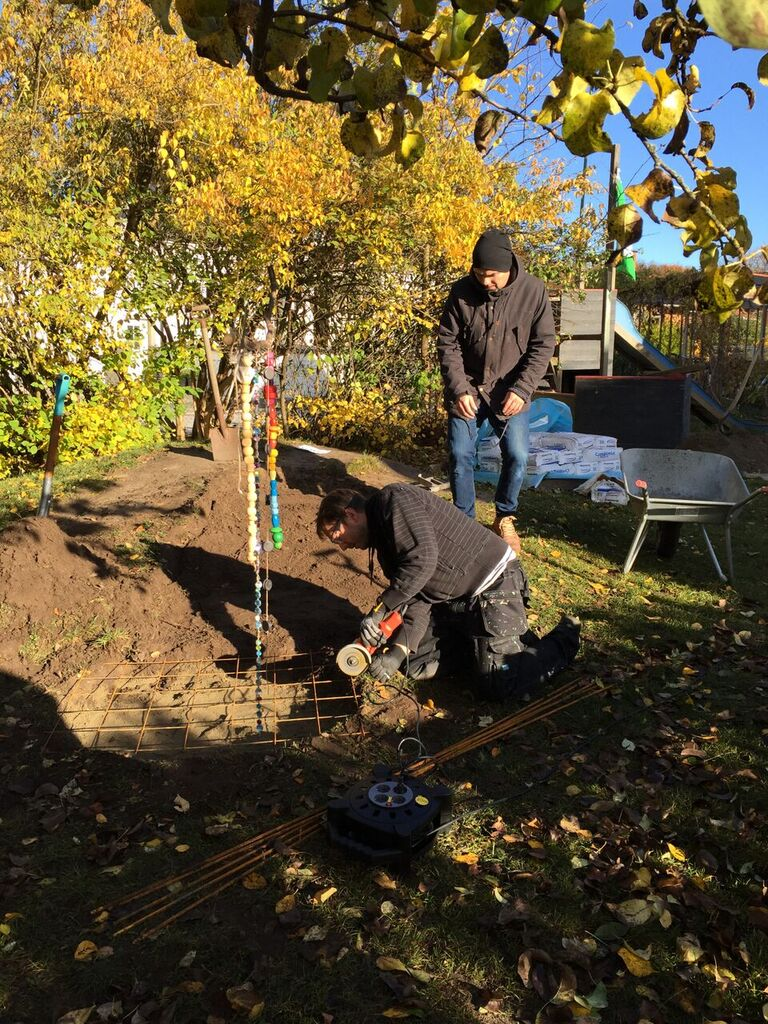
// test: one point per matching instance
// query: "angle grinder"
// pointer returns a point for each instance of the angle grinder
(353, 659)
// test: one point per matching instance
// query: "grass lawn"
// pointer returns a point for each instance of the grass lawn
(608, 865)
(20, 495)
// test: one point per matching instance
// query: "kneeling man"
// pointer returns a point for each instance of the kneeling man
(451, 579)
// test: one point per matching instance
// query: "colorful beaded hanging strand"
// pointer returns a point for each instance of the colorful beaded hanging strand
(250, 437)
(273, 431)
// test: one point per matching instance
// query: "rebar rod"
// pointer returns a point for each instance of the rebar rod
(223, 870)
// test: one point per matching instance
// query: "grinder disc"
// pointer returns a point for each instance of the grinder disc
(353, 659)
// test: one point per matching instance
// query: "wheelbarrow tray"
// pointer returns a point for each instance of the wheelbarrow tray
(683, 487)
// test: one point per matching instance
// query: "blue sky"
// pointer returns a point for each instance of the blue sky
(741, 134)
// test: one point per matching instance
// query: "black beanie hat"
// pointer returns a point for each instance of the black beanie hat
(492, 251)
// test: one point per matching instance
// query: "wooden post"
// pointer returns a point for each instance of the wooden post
(609, 286)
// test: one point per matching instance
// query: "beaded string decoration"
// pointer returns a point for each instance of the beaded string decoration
(273, 431)
(250, 438)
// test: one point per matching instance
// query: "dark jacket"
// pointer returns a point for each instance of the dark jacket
(429, 552)
(491, 344)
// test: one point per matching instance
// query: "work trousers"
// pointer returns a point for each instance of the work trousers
(489, 634)
(462, 444)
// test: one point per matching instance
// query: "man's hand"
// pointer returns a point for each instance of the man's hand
(383, 666)
(513, 404)
(370, 633)
(466, 407)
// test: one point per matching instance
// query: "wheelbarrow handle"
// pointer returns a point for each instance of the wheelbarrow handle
(739, 505)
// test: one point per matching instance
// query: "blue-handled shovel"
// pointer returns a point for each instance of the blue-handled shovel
(60, 393)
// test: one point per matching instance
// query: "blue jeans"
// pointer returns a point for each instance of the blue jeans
(513, 443)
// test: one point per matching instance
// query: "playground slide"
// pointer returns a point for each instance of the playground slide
(628, 336)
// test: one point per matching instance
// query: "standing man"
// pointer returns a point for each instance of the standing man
(495, 340)
(443, 565)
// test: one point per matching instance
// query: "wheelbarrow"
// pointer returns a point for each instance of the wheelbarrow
(676, 487)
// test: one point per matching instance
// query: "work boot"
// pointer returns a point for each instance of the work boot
(504, 526)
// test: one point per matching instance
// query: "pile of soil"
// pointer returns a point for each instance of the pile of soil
(748, 449)
(151, 564)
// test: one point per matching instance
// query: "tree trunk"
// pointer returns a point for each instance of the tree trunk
(426, 334)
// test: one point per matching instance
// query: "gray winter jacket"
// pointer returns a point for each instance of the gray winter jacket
(491, 343)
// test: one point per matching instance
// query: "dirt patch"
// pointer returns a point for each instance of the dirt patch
(150, 568)
(749, 450)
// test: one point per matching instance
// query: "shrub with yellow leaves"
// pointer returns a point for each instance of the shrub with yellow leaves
(373, 419)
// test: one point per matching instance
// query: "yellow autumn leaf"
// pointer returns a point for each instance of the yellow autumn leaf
(676, 852)
(77, 1016)
(635, 964)
(285, 904)
(466, 858)
(86, 950)
(688, 671)
(382, 879)
(324, 895)
(253, 880)
(389, 963)
(397, 1011)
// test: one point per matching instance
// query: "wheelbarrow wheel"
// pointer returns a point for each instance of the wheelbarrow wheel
(669, 535)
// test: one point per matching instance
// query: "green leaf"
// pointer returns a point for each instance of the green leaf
(413, 20)
(362, 15)
(360, 137)
(585, 47)
(723, 288)
(538, 10)
(161, 10)
(414, 68)
(667, 109)
(489, 56)
(464, 31)
(411, 148)
(625, 225)
(221, 47)
(326, 60)
(210, 8)
(286, 40)
(739, 22)
(378, 86)
(477, 6)
(583, 124)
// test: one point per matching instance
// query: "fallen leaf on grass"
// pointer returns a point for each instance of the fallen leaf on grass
(244, 997)
(86, 950)
(632, 912)
(285, 904)
(382, 879)
(466, 858)
(676, 852)
(180, 804)
(637, 965)
(402, 1011)
(253, 880)
(688, 948)
(76, 1016)
(324, 895)
(389, 963)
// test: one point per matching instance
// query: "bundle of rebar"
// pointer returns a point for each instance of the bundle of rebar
(159, 905)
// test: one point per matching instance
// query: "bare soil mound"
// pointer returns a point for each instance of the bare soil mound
(152, 564)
